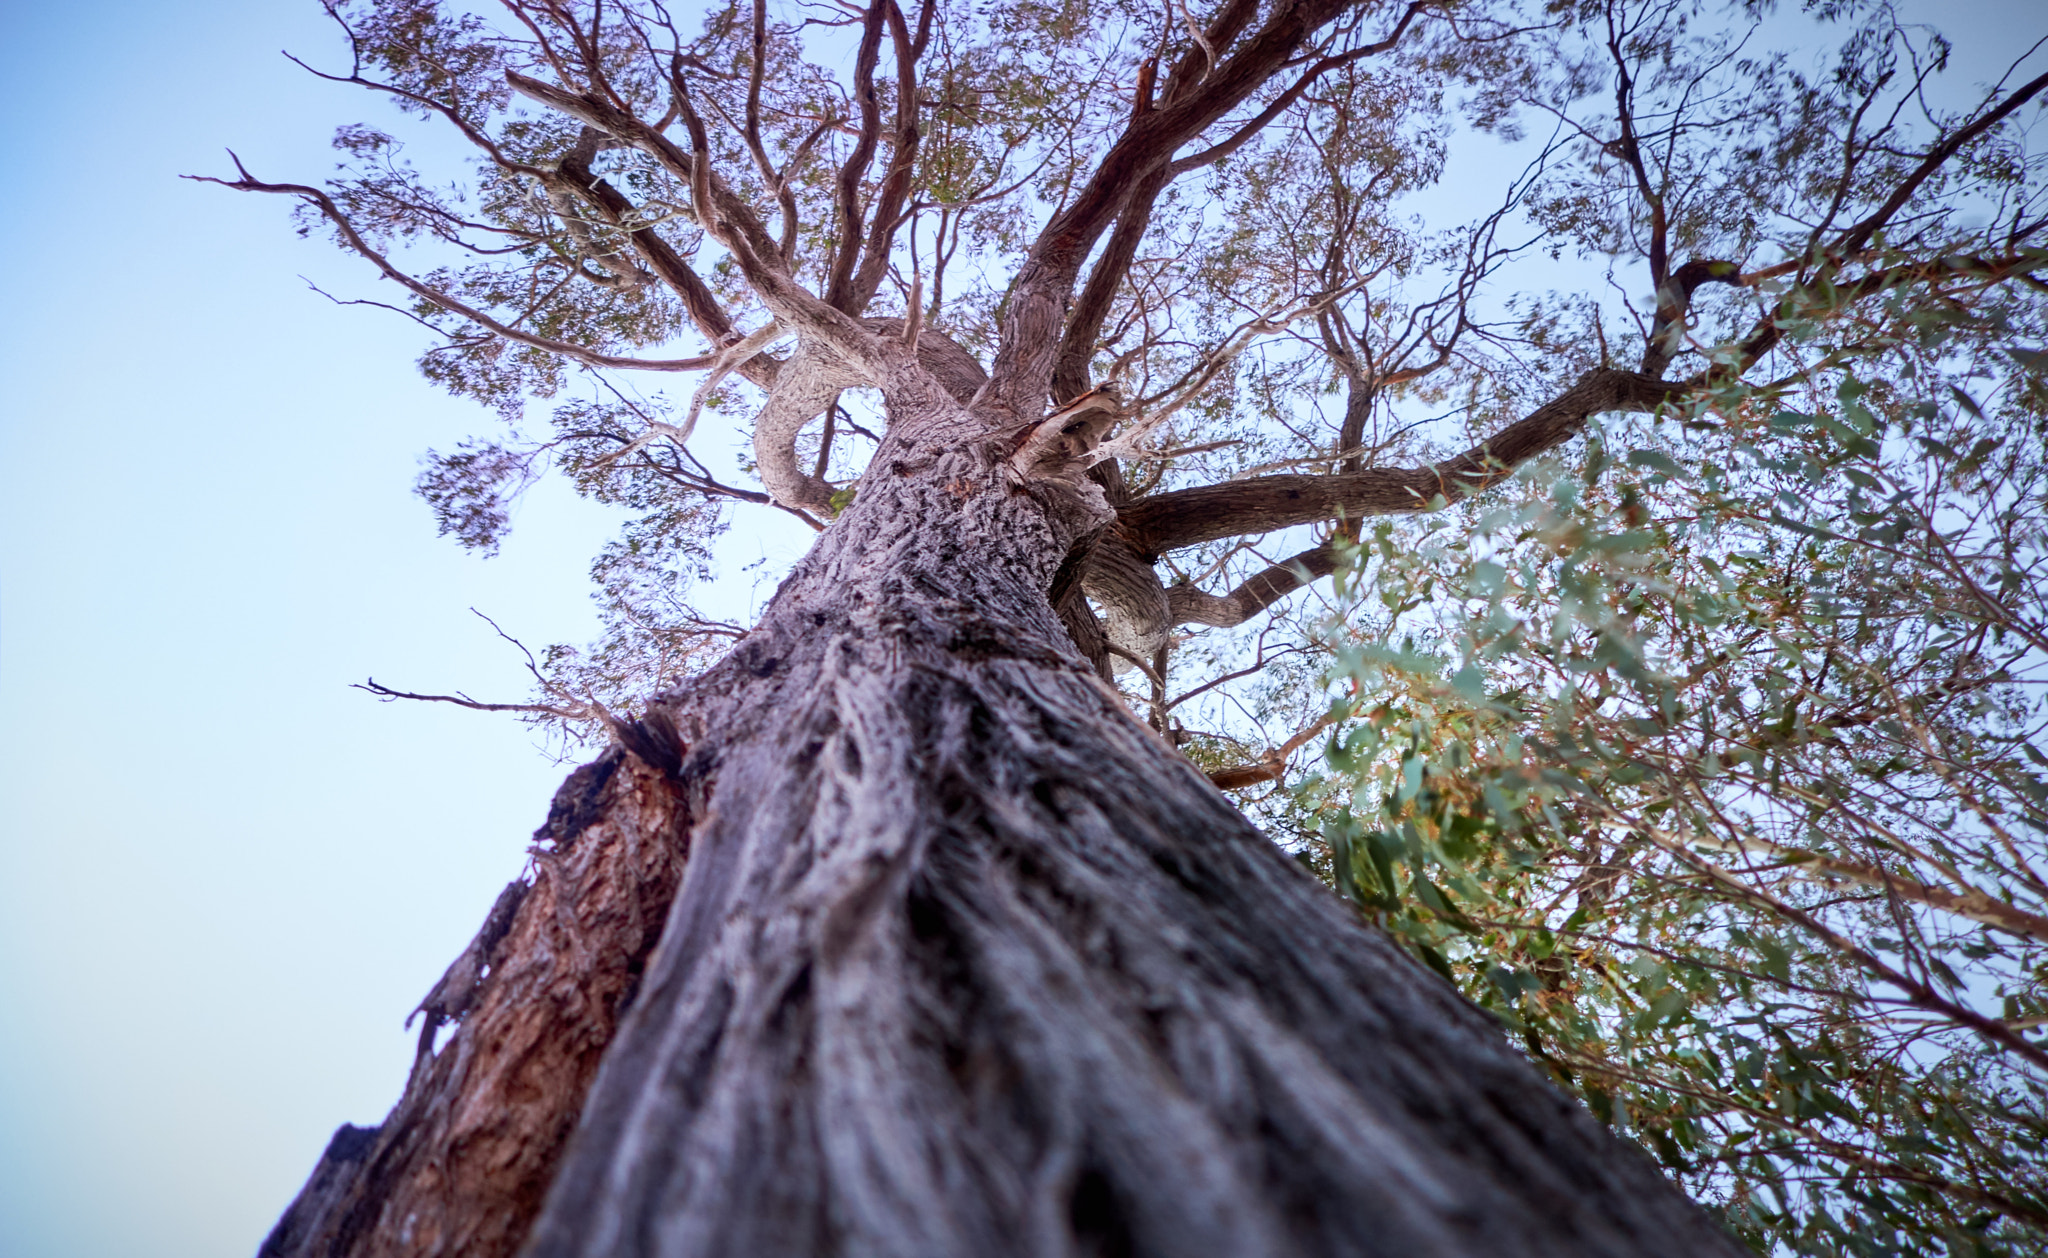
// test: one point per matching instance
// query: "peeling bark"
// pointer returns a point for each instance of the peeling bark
(460, 1165)
(964, 961)
(955, 957)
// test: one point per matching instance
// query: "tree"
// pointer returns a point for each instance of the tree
(891, 929)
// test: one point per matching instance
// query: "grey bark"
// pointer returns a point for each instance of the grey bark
(1135, 608)
(965, 961)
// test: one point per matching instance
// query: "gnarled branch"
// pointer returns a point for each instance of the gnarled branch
(1190, 605)
(1263, 504)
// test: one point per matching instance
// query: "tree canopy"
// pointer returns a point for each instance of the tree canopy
(1704, 750)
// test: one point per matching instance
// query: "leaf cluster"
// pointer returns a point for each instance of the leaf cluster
(1715, 769)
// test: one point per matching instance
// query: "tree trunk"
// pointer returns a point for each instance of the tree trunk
(965, 961)
(461, 1164)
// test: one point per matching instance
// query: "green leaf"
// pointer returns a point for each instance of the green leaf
(1655, 462)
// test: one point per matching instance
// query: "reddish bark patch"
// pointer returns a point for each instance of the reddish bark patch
(462, 1162)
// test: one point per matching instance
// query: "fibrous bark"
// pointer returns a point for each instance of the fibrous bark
(966, 961)
(955, 957)
(810, 380)
(461, 1164)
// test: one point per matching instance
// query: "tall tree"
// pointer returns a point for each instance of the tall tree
(892, 929)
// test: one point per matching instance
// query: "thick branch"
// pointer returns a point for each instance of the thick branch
(887, 211)
(846, 191)
(1071, 378)
(1084, 322)
(810, 381)
(1674, 299)
(1133, 602)
(1853, 240)
(1188, 605)
(1200, 58)
(1286, 99)
(1038, 298)
(1263, 504)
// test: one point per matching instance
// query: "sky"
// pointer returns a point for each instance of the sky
(225, 876)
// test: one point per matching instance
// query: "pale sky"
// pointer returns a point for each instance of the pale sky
(227, 876)
(224, 876)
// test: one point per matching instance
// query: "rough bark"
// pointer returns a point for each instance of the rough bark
(811, 379)
(966, 961)
(462, 1162)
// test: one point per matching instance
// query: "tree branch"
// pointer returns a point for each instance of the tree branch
(723, 215)
(660, 257)
(846, 192)
(1189, 605)
(1674, 299)
(1037, 302)
(1273, 766)
(1236, 140)
(1853, 240)
(1071, 377)
(895, 189)
(386, 693)
(1262, 504)
(1970, 902)
(354, 240)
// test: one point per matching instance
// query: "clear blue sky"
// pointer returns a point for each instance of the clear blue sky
(224, 876)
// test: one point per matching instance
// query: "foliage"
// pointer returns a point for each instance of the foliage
(1716, 771)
